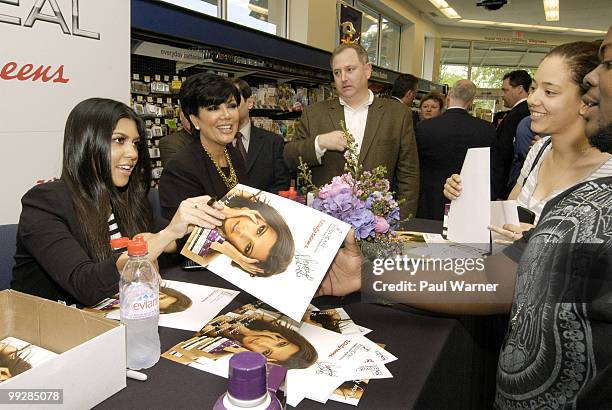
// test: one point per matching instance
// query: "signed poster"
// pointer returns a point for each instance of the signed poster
(318, 360)
(276, 249)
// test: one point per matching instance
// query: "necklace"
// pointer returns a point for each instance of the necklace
(230, 181)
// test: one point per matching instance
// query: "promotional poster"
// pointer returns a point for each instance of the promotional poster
(318, 360)
(182, 305)
(18, 356)
(276, 249)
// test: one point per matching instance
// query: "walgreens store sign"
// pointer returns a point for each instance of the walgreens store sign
(53, 54)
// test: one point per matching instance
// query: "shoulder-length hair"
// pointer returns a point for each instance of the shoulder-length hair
(204, 90)
(303, 358)
(183, 302)
(281, 254)
(86, 171)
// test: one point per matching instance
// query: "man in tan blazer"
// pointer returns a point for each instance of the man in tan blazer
(382, 129)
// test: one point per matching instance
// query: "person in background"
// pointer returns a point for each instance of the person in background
(443, 142)
(405, 90)
(431, 105)
(515, 87)
(382, 129)
(173, 143)
(63, 239)
(565, 157)
(525, 138)
(498, 117)
(262, 150)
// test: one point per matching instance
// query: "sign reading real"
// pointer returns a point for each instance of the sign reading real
(53, 54)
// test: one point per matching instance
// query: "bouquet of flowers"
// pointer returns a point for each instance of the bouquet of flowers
(360, 198)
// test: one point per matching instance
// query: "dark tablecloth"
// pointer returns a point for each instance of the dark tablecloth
(444, 362)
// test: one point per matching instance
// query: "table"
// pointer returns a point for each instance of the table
(444, 362)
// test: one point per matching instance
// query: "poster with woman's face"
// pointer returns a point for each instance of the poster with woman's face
(18, 356)
(273, 248)
(182, 305)
(318, 360)
(335, 319)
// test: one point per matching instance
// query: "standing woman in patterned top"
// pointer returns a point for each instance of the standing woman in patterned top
(563, 157)
(63, 251)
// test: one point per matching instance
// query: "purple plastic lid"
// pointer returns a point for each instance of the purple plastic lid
(247, 376)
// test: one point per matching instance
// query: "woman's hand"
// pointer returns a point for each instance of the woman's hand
(199, 211)
(248, 264)
(511, 232)
(453, 187)
(344, 274)
(252, 214)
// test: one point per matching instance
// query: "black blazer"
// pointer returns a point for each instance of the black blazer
(442, 143)
(265, 165)
(52, 260)
(191, 173)
(503, 150)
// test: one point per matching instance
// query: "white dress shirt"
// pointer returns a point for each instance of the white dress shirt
(246, 136)
(355, 120)
(519, 101)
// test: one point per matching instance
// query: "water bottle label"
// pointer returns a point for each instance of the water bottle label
(139, 302)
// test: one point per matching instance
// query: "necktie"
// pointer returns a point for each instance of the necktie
(240, 146)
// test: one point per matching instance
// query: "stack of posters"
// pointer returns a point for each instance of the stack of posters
(322, 352)
(182, 305)
(276, 249)
(18, 356)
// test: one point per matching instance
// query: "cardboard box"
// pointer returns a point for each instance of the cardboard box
(91, 362)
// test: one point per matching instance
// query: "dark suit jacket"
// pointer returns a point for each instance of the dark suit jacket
(388, 140)
(503, 150)
(191, 173)
(52, 260)
(173, 143)
(442, 143)
(265, 165)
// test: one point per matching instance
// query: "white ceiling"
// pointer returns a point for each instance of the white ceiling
(583, 14)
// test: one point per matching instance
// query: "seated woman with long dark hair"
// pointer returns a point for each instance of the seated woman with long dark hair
(63, 251)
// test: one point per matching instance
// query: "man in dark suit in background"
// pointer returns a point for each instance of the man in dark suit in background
(405, 90)
(262, 150)
(382, 129)
(516, 89)
(173, 143)
(443, 142)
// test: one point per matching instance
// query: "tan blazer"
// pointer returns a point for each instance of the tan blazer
(388, 140)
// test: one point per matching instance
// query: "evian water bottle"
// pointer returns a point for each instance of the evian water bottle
(139, 299)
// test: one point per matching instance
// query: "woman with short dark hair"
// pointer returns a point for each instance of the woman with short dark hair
(210, 165)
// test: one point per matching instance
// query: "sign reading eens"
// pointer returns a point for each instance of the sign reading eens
(53, 54)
